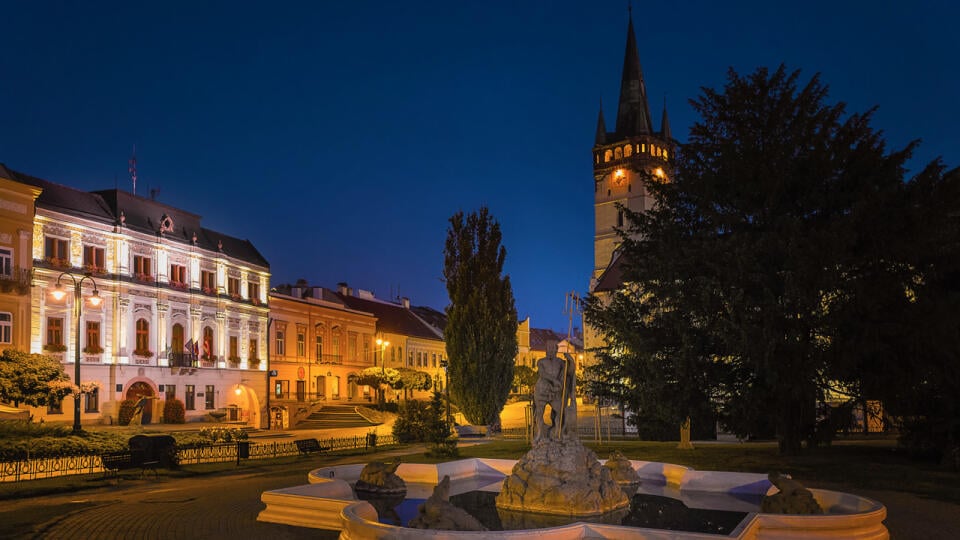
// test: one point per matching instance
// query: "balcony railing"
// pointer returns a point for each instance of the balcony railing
(18, 280)
(183, 360)
(330, 359)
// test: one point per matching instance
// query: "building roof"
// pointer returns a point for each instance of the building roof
(393, 318)
(612, 277)
(65, 199)
(115, 207)
(633, 113)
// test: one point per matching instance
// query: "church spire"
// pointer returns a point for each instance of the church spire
(633, 113)
(601, 127)
(665, 123)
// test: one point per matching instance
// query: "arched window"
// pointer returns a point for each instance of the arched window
(176, 339)
(617, 153)
(143, 337)
(207, 347)
(627, 151)
(607, 156)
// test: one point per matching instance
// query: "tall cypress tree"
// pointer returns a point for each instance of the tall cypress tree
(481, 331)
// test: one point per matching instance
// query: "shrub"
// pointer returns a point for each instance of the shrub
(127, 410)
(174, 412)
(223, 434)
(420, 422)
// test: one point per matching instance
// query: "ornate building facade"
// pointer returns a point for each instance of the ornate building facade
(16, 261)
(319, 346)
(183, 312)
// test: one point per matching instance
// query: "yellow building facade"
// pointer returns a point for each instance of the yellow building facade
(16, 264)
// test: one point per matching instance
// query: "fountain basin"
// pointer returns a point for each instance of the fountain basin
(328, 502)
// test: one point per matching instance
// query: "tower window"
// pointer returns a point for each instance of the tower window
(617, 153)
(607, 156)
(627, 151)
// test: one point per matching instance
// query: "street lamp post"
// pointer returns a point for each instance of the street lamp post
(59, 292)
(383, 367)
(446, 385)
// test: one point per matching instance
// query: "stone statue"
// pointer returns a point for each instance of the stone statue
(379, 477)
(556, 387)
(622, 470)
(793, 498)
(438, 513)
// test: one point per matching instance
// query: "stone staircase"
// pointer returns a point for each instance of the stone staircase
(334, 417)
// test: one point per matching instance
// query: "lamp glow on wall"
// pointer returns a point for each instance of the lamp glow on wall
(383, 365)
(59, 292)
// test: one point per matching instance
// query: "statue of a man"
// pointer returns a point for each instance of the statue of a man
(551, 390)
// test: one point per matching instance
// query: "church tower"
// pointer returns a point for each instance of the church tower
(623, 161)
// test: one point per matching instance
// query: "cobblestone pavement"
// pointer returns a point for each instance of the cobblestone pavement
(219, 506)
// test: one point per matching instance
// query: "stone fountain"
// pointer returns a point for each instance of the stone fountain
(559, 476)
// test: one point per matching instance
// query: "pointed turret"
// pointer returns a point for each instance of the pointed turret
(633, 113)
(601, 128)
(665, 124)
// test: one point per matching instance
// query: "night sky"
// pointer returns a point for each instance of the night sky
(339, 137)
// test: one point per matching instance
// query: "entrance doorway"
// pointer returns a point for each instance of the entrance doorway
(321, 387)
(141, 390)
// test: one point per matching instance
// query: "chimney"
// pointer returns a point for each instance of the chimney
(343, 289)
(406, 302)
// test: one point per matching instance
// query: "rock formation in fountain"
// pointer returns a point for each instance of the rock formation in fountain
(622, 470)
(379, 477)
(793, 498)
(559, 475)
(438, 513)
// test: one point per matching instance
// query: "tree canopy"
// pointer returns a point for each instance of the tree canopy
(786, 221)
(481, 331)
(32, 379)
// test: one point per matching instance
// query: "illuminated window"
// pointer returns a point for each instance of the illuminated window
(208, 281)
(607, 156)
(253, 290)
(281, 348)
(233, 286)
(55, 250)
(208, 396)
(352, 345)
(301, 343)
(617, 153)
(664, 154)
(141, 266)
(93, 259)
(234, 348)
(93, 337)
(254, 351)
(319, 347)
(178, 274)
(142, 343)
(207, 343)
(6, 327)
(55, 333)
(91, 401)
(643, 148)
(627, 151)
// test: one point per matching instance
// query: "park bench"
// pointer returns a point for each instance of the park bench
(305, 446)
(115, 462)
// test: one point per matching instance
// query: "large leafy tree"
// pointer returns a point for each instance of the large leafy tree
(31, 379)
(481, 331)
(752, 250)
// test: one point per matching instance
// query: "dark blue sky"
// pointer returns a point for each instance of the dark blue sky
(339, 137)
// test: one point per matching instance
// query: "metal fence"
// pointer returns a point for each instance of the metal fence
(37, 469)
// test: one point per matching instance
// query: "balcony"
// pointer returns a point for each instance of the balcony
(17, 281)
(330, 359)
(185, 360)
